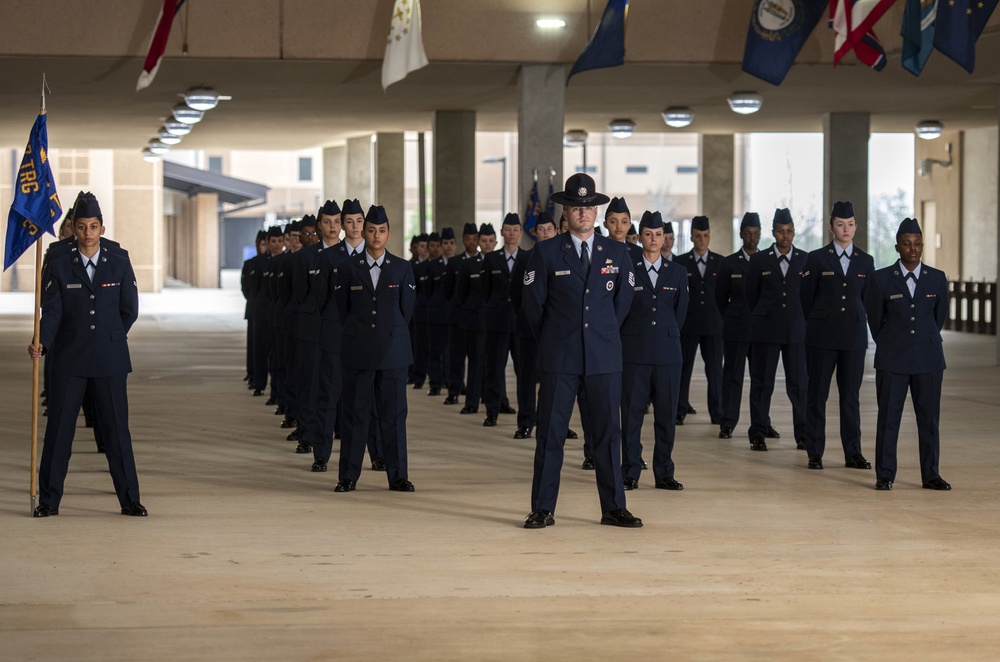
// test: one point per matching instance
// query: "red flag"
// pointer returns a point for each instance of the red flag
(158, 43)
(853, 21)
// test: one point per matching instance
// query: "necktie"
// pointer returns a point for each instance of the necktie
(911, 282)
(585, 257)
(375, 270)
(653, 273)
(374, 265)
(92, 269)
(510, 263)
(702, 263)
(783, 263)
(845, 261)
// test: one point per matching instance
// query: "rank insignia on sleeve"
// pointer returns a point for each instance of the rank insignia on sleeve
(529, 277)
(631, 278)
(413, 287)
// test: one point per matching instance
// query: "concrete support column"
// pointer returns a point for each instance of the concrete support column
(137, 217)
(845, 168)
(541, 91)
(716, 177)
(389, 188)
(206, 245)
(454, 169)
(335, 173)
(359, 170)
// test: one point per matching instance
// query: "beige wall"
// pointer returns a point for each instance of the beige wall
(979, 205)
(943, 238)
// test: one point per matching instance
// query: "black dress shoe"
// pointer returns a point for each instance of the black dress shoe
(319, 465)
(401, 485)
(44, 402)
(250, 387)
(588, 463)
(630, 484)
(490, 422)
(279, 410)
(691, 410)
(507, 409)
(679, 421)
(643, 463)
(725, 433)
(570, 434)
(303, 448)
(539, 519)
(345, 485)
(451, 400)
(800, 443)
(758, 444)
(417, 386)
(434, 391)
(134, 510)
(523, 433)
(270, 401)
(469, 410)
(857, 462)
(378, 464)
(288, 422)
(772, 433)
(621, 517)
(293, 435)
(883, 485)
(44, 510)
(815, 462)
(668, 484)
(937, 484)
(258, 392)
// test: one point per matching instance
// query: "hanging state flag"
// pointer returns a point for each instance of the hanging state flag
(854, 22)
(36, 207)
(778, 31)
(957, 27)
(158, 42)
(607, 47)
(532, 211)
(404, 47)
(918, 33)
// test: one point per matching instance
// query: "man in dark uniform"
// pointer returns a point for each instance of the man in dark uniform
(777, 327)
(499, 319)
(281, 290)
(907, 305)
(89, 302)
(261, 244)
(456, 334)
(437, 311)
(836, 336)
(469, 292)
(703, 324)
(292, 298)
(375, 294)
(421, 309)
(577, 292)
(651, 355)
(732, 302)
(418, 256)
(260, 280)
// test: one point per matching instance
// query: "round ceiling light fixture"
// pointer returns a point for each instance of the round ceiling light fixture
(149, 156)
(621, 128)
(185, 114)
(745, 103)
(550, 23)
(677, 117)
(167, 138)
(575, 138)
(929, 129)
(156, 147)
(176, 128)
(203, 98)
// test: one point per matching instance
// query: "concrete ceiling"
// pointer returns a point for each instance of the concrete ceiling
(301, 104)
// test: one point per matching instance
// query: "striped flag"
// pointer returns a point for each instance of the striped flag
(853, 21)
(158, 42)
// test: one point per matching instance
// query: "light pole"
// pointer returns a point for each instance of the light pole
(503, 181)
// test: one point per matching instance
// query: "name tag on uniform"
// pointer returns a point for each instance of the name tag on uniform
(73, 286)
(564, 273)
(495, 271)
(638, 288)
(827, 273)
(765, 273)
(895, 296)
(736, 275)
(313, 272)
(355, 287)
(473, 275)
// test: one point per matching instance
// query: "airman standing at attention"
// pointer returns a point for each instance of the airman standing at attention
(437, 314)
(499, 319)
(456, 334)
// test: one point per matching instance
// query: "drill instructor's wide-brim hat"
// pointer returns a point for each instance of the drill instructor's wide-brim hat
(580, 192)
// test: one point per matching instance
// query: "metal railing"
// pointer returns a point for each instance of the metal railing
(972, 307)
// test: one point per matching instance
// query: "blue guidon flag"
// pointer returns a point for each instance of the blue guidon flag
(36, 207)
(532, 211)
(778, 31)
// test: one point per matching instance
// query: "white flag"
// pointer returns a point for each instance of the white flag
(404, 47)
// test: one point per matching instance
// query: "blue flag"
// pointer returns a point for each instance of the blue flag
(777, 32)
(918, 34)
(551, 206)
(36, 207)
(607, 46)
(958, 26)
(532, 211)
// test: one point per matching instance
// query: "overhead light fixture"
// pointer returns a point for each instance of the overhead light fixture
(185, 114)
(745, 103)
(575, 138)
(551, 23)
(203, 98)
(929, 129)
(176, 128)
(621, 128)
(149, 156)
(167, 138)
(156, 147)
(677, 116)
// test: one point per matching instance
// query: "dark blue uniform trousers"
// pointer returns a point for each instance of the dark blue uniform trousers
(456, 359)
(640, 383)
(389, 390)
(925, 391)
(437, 345)
(498, 347)
(527, 382)
(733, 370)
(711, 354)
(111, 404)
(421, 354)
(555, 404)
(262, 340)
(763, 366)
(475, 349)
(850, 366)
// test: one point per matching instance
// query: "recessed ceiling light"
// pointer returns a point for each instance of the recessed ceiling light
(745, 103)
(678, 116)
(575, 138)
(551, 23)
(621, 128)
(929, 129)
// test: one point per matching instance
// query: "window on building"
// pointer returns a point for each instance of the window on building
(215, 164)
(305, 168)
(687, 170)
(590, 170)
(636, 170)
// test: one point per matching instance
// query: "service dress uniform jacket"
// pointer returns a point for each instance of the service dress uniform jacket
(777, 327)
(84, 329)
(702, 329)
(469, 292)
(527, 359)
(651, 352)
(909, 355)
(836, 339)
(731, 299)
(499, 321)
(456, 334)
(437, 322)
(375, 355)
(576, 316)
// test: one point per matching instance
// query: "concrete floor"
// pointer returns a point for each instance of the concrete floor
(248, 555)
